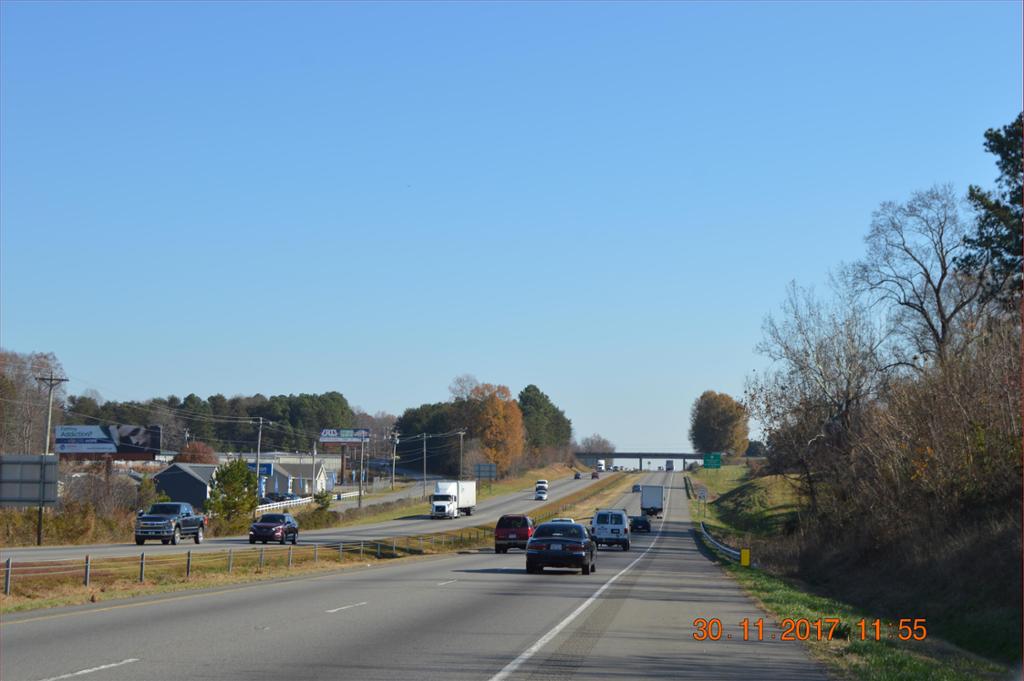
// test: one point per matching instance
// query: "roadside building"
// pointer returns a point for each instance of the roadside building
(188, 482)
(307, 480)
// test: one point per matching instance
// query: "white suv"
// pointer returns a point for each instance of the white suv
(610, 527)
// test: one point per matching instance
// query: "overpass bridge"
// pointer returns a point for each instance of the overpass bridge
(590, 458)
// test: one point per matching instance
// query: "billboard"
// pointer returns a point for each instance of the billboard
(140, 441)
(345, 435)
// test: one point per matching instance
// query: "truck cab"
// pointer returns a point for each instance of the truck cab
(451, 498)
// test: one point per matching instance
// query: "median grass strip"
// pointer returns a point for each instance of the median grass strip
(316, 519)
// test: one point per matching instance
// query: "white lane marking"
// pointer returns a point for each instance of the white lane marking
(346, 607)
(448, 582)
(94, 669)
(512, 666)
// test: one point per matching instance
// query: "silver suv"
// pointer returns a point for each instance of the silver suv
(610, 527)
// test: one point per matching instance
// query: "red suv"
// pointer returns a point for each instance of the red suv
(512, 531)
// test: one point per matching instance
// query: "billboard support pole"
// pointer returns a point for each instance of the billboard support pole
(51, 382)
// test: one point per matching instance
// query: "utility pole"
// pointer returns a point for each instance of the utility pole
(313, 473)
(424, 436)
(394, 456)
(259, 446)
(50, 382)
(362, 449)
(461, 433)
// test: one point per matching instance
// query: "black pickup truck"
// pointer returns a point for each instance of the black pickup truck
(169, 521)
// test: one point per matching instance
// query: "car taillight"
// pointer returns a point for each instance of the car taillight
(536, 546)
(574, 547)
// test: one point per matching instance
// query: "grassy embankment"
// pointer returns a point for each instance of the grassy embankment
(118, 577)
(744, 511)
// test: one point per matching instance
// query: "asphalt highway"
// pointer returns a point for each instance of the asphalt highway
(487, 511)
(468, 616)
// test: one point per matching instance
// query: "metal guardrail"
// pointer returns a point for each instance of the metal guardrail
(300, 501)
(284, 504)
(727, 550)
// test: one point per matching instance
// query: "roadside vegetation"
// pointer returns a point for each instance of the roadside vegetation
(891, 415)
(888, 659)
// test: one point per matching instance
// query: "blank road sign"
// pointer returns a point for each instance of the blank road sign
(487, 471)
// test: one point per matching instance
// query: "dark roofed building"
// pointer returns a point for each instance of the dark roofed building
(188, 482)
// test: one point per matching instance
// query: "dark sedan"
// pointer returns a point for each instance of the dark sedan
(639, 523)
(277, 527)
(564, 545)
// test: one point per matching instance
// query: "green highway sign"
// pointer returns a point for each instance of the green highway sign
(712, 461)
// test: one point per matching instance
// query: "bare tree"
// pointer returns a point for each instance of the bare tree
(597, 445)
(830, 362)
(462, 386)
(23, 401)
(913, 249)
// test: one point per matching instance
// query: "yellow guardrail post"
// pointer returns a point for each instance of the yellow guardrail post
(745, 557)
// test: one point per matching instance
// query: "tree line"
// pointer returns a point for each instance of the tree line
(514, 433)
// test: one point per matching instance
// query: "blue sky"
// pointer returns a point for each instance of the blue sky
(602, 199)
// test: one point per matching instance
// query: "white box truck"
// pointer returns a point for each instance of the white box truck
(452, 497)
(652, 499)
(600, 464)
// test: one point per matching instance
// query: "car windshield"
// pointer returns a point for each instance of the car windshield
(165, 509)
(272, 518)
(560, 530)
(512, 522)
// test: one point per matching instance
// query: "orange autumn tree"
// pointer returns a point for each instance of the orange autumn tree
(499, 425)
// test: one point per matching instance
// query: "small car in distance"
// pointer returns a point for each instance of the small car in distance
(577, 476)
(564, 545)
(594, 475)
(541, 483)
(639, 523)
(541, 494)
(513, 531)
(274, 527)
(637, 488)
(561, 520)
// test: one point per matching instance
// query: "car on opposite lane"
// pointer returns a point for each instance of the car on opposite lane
(274, 527)
(637, 488)
(577, 476)
(541, 494)
(561, 545)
